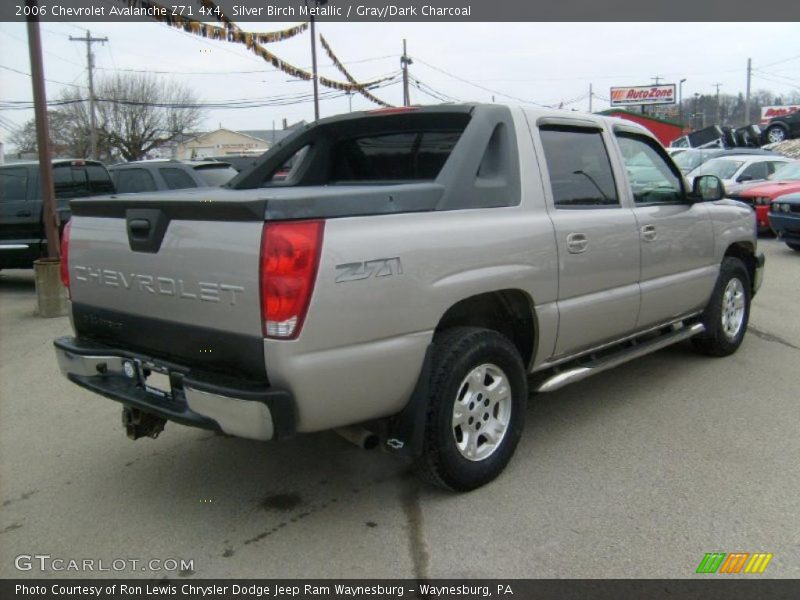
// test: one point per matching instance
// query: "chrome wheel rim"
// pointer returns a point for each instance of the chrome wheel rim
(776, 134)
(733, 308)
(481, 412)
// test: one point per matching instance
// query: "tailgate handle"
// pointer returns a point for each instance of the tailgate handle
(146, 228)
(139, 226)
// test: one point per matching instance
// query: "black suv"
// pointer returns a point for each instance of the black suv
(783, 127)
(22, 236)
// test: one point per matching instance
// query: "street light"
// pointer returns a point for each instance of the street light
(680, 102)
(696, 101)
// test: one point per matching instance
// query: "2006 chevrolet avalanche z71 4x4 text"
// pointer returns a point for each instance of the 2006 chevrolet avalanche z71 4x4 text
(407, 280)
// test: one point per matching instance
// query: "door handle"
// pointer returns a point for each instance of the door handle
(649, 233)
(577, 243)
(24, 213)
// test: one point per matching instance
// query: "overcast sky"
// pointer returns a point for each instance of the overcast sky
(540, 62)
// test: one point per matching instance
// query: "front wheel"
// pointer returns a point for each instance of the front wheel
(476, 408)
(728, 312)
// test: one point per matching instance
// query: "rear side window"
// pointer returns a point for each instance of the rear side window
(177, 179)
(216, 175)
(415, 156)
(78, 181)
(13, 184)
(131, 181)
(579, 167)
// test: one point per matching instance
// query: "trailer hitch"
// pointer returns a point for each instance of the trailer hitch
(138, 423)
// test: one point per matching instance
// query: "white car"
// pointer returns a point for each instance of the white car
(739, 168)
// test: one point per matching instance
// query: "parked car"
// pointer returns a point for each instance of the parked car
(155, 175)
(402, 280)
(691, 158)
(738, 168)
(22, 234)
(782, 127)
(784, 218)
(785, 180)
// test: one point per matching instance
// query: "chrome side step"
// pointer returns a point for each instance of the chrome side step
(571, 375)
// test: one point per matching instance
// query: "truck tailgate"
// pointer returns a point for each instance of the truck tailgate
(191, 297)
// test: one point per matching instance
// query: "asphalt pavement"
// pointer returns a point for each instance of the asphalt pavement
(637, 472)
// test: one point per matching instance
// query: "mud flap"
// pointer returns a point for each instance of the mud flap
(404, 434)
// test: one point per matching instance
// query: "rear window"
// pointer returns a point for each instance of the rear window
(413, 155)
(176, 179)
(214, 175)
(78, 181)
(13, 184)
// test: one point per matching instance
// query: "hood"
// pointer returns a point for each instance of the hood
(770, 189)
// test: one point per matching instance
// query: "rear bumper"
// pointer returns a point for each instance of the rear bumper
(199, 399)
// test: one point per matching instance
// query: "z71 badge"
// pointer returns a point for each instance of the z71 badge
(380, 267)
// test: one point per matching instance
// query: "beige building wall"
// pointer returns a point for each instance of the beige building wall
(219, 143)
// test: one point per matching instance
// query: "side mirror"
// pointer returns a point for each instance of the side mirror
(742, 178)
(707, 188)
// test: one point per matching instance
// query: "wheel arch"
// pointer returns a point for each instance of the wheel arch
(746, 252)
(510, 312)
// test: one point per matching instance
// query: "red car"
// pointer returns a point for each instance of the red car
(785, 180)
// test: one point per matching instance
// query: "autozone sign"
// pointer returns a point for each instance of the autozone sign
(643, 94)
(767, 112)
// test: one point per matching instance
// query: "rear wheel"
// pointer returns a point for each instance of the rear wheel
(476, 408)
(728, 312)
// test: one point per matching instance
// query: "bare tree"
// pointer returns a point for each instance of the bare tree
(138, 112)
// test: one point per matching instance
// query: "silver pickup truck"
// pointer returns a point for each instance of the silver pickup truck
(407, 281)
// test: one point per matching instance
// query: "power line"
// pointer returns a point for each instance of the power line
(480, 87)
(779, 62)
(28, 75)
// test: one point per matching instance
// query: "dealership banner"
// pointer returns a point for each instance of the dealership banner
(643, 95)
(460, 11)
(768, 112)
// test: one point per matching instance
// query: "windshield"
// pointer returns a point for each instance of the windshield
(214, 175)
(689, 160)
(790, 171)
(721, 167)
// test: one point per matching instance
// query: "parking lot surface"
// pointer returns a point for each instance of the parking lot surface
(637, 472)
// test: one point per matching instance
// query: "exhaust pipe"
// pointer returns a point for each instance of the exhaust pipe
(363, 438)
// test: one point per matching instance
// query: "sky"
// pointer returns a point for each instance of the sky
(546, 63)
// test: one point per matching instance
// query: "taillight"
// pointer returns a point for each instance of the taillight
(65, 257)
(289, 259)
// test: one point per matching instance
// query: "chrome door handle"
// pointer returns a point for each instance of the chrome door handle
(577, 243)
(649, 233)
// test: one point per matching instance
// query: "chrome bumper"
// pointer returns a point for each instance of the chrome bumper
(236, 407)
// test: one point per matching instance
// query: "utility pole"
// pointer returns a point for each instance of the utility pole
(719, 116)
(747, 93)
(314, 68)
(657, 79)
(404, 62)
(90, 67)
(680, 101)
(51, 223)
(591, 95)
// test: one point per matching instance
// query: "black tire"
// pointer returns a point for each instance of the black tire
(458, 352)
(776, 133)
(793, 246)
(716, 341)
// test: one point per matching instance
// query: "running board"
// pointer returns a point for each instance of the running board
(559, 380)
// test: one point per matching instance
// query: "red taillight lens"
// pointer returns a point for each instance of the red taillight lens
(289, 260)
(65, 256)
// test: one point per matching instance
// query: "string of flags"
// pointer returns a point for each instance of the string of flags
(338, 64)
(231, 32)
(351, 86)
